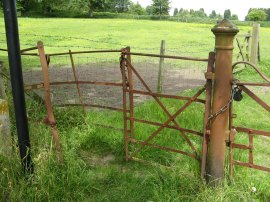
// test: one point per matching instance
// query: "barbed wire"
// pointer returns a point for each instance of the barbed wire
(178, 50)
(104, 42)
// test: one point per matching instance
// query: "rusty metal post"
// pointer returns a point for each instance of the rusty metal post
(77, 81)
(207, 113)
(131, 94)
(225, 32)
(124, 83)
(50, 120)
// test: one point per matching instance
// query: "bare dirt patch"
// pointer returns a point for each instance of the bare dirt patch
(175, 81)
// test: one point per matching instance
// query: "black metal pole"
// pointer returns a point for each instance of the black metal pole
(14, 56)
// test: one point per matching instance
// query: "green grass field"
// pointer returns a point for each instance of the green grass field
(94, 168)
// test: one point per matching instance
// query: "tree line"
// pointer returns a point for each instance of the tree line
(156, 8)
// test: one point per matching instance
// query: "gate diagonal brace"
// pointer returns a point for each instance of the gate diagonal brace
(168, 122)
(163, 107)
(172, 118)
(256, 98)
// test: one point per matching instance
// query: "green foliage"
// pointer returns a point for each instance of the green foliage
(149, 10)
(213, 14)
(137, 9)
(175, 12)
(267, 11)
(160, 7)
(227, 14)
(199, 14)
(234, 17)
(256, 15)
(26, 5)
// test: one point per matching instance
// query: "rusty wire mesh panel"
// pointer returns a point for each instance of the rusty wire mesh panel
(96, 76)
(32, 76)
(176, 75)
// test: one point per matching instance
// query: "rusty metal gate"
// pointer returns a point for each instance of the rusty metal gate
(129, 72)
(252, 134)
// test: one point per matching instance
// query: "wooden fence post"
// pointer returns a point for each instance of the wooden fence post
(161, 66)
(247, 44)
(255, 43)
(224, 32)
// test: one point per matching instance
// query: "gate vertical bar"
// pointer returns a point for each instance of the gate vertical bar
(208, 96)
(131, 96)
(250, 136)
(231, 139)
(13, 43)
(77, 81)
(225, 32)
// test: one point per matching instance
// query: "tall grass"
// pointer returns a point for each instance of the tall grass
(94, 168)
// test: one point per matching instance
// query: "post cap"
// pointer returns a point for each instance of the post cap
(225, 26)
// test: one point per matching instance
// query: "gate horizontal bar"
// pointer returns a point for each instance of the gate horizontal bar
(252, 84)
(255, 132)
(22, 53)
(257, 167)
(87, 82)
(91, 105)
(41, 85)
(240, 146)
(164, 148)
(168, 126)
(84, 52)
(168, 57)
(165, 96)
(29, 49)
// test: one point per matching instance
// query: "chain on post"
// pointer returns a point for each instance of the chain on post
(212, 117)
(124, 68)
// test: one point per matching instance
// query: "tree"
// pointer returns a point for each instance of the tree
(227, 14)
(48, 6)
(122, 6)
(184, 14)
(213, 14)
(161, 7)
(234, 17)
(25, 6)
(137, 9)
(175, 12)
(267, 11)
(256, 15)
(149, 10)
(199, 14)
